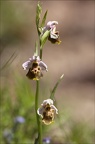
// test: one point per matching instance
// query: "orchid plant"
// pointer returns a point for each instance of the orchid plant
(35, 67)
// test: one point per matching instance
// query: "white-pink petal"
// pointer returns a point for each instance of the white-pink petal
(43, 66)
(27, 65)
(48, 101)
(52, 23)
(40, 111)
(53, 107)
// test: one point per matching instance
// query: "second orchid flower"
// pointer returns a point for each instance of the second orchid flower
(35, 68)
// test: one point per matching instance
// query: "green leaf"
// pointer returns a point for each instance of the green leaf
(55, 87)
(44, 38)
(44, 19)
(38, 13)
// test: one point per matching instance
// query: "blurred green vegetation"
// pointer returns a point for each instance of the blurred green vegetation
(21, 105)
(80, 133)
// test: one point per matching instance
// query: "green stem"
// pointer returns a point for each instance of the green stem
(41, 53)
(37, 116)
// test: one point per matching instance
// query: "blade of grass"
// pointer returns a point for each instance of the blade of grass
(9, 61)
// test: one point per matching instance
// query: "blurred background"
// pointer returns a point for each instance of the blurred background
(74, 57)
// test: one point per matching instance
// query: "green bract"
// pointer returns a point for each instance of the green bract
(44, 38)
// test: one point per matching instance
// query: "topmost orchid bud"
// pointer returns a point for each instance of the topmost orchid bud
(54, 35)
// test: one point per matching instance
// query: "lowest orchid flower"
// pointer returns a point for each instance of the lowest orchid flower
(35, 67)
(47, 111)
(54, 35)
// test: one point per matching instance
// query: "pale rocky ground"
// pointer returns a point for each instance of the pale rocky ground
(74, 56)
